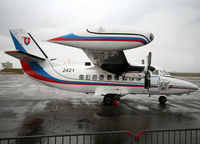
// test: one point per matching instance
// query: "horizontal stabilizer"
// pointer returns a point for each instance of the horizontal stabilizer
(24, 56)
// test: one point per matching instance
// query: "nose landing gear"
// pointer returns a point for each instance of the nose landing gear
(162, 99)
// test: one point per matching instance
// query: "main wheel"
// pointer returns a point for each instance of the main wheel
(162, 99)
(108, 99)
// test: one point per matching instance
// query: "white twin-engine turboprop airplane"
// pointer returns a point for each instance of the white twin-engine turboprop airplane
(111, 75)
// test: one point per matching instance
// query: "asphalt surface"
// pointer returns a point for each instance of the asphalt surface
(28, 108)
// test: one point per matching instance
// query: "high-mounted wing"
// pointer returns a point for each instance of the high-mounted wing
(111, 61)
(104, 46)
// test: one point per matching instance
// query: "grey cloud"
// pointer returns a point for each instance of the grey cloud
(175, 25)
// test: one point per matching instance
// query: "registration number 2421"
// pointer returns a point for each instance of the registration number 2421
(68, 70)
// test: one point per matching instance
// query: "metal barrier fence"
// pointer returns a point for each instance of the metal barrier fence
(176, 136)
(116, 137)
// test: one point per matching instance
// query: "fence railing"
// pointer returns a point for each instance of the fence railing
(174, 136)
(115, 137)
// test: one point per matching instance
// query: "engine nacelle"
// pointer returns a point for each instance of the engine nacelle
(136, 75)
(105, 38)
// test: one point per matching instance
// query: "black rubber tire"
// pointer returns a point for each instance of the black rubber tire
(162, 99)
(108, 99)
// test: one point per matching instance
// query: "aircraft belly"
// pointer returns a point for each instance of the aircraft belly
(98, 90)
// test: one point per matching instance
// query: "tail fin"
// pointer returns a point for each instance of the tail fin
(25, 43)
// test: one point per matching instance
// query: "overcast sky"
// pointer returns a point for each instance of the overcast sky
(174, 23)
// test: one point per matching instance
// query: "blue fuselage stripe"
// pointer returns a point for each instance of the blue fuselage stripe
(73, 36)
(38, 69)
(18, 46)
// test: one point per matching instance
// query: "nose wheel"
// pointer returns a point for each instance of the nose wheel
(162, 99)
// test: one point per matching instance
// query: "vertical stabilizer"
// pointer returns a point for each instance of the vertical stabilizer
(24, 42)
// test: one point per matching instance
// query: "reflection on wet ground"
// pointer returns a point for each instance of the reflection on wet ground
(27, 108)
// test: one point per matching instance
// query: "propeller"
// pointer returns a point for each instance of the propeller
(147, 78)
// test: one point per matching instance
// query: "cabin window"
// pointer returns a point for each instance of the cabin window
(138, 79)
(109, 77)
(81, 77)
(88, 77)
(94, 77)
(116, 77)
(124, 78)
(101, 77)
(131, 79)
(87, 64)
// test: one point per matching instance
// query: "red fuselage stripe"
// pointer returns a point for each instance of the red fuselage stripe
(69, 39)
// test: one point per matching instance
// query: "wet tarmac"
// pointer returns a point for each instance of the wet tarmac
(28, 108)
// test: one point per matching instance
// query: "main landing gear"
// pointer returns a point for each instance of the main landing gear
(162, 99)
(111, 99)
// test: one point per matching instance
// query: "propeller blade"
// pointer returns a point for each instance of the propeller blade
(147, 82)
(149, 59)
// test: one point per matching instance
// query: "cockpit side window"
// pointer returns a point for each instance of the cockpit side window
(165, 72)
(156, 72)
(161, 72)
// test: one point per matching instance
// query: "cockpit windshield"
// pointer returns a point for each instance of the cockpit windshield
(165, 73)
(161, 73)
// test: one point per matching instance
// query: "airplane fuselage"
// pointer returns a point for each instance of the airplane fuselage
(91, 79)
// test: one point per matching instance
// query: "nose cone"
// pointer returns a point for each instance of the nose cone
(189, 87)
(194, 87)
(182, 87)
